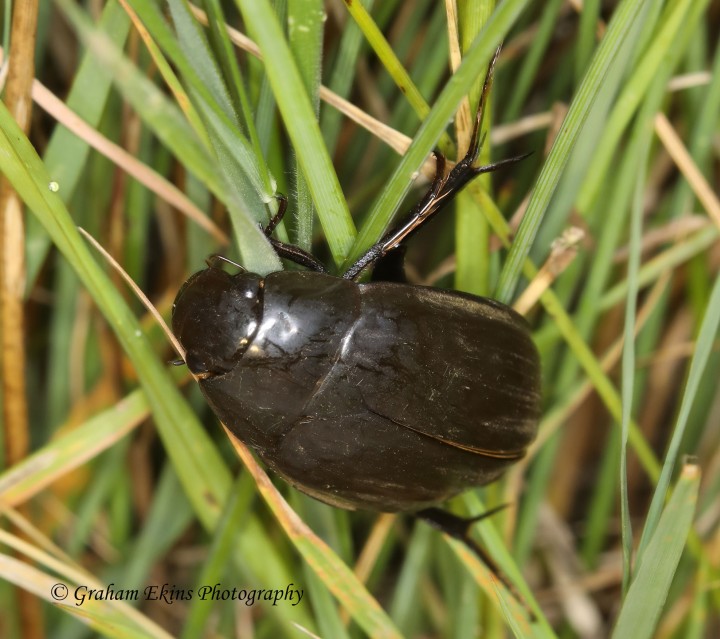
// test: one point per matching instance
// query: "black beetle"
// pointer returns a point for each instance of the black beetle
(380, 395)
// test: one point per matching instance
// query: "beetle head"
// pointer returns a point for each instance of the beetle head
(215, 316)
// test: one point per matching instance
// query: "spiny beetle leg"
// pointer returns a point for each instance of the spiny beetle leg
(459, 528)
(442, 190)
(377, 252)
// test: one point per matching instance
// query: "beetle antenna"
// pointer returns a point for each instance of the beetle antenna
(138, 293)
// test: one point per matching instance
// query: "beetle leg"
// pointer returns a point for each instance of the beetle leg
(390, 267)
(277, 218)
(459, 528)
(416, 217)
(442, 191)
(288, 251)
(297, 255)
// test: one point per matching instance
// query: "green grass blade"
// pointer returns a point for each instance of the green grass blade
(305, 33)
(299, 117)
(60, 456)
(679, 15)
(197, 52)
(231, 169)
(703, 348)
(23, 168)
(649, 590)
(66, 155)
(337, 577)
(665, 262)
(340, 81)
(638, 149)
(159, 114)
(215, 569)
(600, 68)
(628, 361)
(203, 473)
(111, 617)
(394, 67)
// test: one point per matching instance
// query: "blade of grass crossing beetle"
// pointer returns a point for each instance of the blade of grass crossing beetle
(337, 577)
(605, 57)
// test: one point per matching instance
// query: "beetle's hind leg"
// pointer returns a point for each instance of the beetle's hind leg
(289, 251)
(459, 528)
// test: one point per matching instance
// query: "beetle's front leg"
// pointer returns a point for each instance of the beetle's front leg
(277, 218)
(289, 251)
